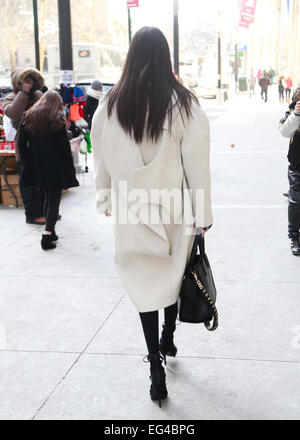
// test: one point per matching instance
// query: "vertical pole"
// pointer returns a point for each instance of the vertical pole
(65, 40)
(236, 58)
(129, 26)
(220, 58)
(219, 62)
(176, 38)
(236, 67)
(36, 35)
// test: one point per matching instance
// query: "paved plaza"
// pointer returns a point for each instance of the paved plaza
(71, 344)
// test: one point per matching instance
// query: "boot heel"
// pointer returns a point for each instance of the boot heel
(166, 344)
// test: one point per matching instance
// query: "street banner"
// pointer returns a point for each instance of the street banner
(133, 3)
(244, 24)
(248, 9)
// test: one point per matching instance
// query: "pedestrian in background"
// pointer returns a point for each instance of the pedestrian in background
(290, 127)
(252, 83)
(281, 88)
(47, 159)
(264, 83)
(259, 74)
(271, 75)
(26, 92)
(288, 89)
(151, 133)
(94, 96)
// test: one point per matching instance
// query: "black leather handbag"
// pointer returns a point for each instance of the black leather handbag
(198, 293)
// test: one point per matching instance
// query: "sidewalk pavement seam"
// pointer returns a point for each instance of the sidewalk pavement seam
(3, 350)
(249, 206)
(77, 359)
(256, 152)
(212, 358)
(87, 353)
(17, 240)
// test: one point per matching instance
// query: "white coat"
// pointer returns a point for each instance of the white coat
(151, 253)
(291, 125)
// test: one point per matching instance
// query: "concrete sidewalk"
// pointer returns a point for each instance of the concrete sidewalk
(71, 341)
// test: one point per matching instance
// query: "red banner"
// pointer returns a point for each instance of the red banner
(248, 9)
(248, 6)
(133, 3)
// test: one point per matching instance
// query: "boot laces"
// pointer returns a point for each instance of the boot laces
(147, 359)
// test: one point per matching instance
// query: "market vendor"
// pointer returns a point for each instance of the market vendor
(26, 84)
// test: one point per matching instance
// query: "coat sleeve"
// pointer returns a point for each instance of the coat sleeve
(101, 175)
(15, 105)
(64, 144)
(88, 112)
(195, 150)
(289, 127)
(22, 140)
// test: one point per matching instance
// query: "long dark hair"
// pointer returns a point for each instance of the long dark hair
(47, 115)
(147, 86)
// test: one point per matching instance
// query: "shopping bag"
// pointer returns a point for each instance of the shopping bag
(9, 131)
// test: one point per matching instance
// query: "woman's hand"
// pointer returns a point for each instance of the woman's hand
(202, 231)
(27, 85)
(108, 214)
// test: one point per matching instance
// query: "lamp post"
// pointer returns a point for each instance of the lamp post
(129, 26)
(176, 38)
(220, 56)
(65, 42)
(36, 35)
(236, 67)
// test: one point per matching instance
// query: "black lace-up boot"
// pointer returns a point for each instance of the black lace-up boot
(295, 247)
(166, 344)
(158, 389)
(54, 237)
(47, 243)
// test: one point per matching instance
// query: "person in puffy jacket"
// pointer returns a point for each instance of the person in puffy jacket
(290, 127)
(26, 92)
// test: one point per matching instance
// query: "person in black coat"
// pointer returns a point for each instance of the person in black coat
(94, 96)
(46, 156)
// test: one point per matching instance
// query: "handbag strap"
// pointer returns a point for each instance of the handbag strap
(210, 327)
(191, 263)
(199, 242)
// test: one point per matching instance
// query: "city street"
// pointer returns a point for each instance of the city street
(71, 344)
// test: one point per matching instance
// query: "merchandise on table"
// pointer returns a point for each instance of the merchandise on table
(5, 146)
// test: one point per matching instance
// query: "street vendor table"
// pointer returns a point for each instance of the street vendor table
(6, 154)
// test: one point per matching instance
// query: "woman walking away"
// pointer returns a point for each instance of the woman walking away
(151, 137)
(288, 89)
(46, 155)
(281, 85)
